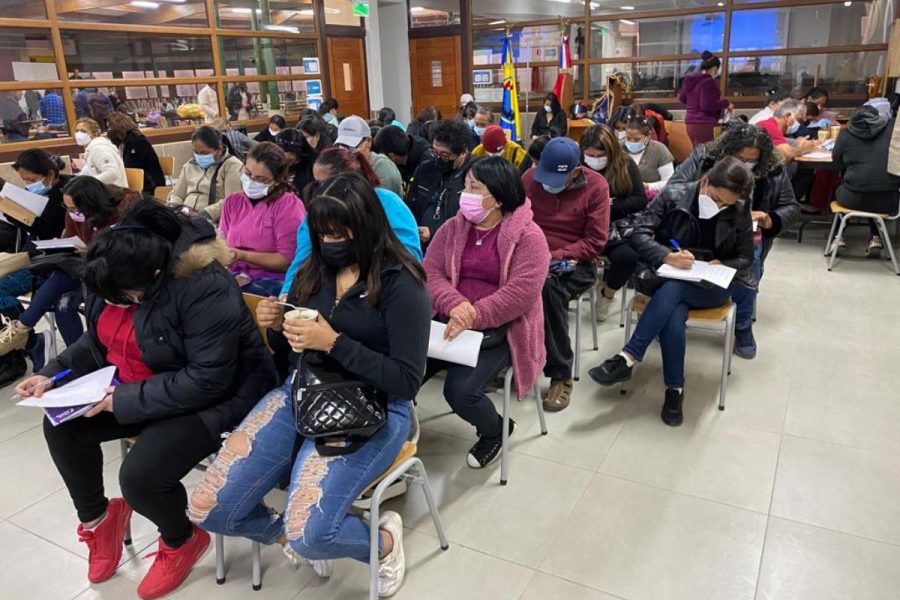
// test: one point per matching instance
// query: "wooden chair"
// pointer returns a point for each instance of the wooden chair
(842, 216)
(168, 167)
(135, 179)
(161, 193)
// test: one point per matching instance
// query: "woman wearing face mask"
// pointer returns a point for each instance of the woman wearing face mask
(259, 224)
(653, 159)
(617, 120)
(209, 177)
(40, 172)
(373, 322)
(486, 268)
(189, 366)
(319, 134)
(603, 154)
(268, 133)
(701, 94)
(137, 151)
(708, 220)
(300, 158)
(101, 157)
(551, 119)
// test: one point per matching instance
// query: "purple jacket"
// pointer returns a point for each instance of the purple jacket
(524, 262)
(701, 94)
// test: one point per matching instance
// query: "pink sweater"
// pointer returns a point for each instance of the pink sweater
(524, 262)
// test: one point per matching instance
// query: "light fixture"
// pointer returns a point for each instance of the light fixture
(500, 22)
(848, 3)
(144, 4)
(626, 21)
(626, 7)
(284, 28)
(174, 1)
(417, 9)
(720, 4)
(245, 11)
(595, 5)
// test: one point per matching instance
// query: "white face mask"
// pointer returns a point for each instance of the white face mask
(548, 108)
(253, 189)
(707, 207)
(272, 132)
(620, 135)
(82, 139)
(596, 163)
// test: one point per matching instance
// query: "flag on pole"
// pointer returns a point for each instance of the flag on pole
(565, 62)
(509, 111)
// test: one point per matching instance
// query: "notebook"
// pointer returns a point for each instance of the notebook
(462, 350)
(719, 275)
(75, 398)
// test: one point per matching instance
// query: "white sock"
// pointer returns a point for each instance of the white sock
(679, 390)
(93, 524)
(628, 360)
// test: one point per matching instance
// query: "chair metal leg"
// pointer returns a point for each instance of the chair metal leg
(578, 338)
(220, 559)
(422, 477)
(504, 440)
(886, 240)
(629, 316)
(540, 409)
(123, 449)
(374, 517)
(834, 246)
(624, 302)
(830, 238)
(726, 357)
(593, 299)
(51, 320)
(256, 582)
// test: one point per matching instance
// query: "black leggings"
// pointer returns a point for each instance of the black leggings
(151, 473)
(622, 263)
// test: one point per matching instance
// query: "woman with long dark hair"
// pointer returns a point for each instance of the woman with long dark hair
(300, 157)
(551, 119)
(137, 151)
(319, 134)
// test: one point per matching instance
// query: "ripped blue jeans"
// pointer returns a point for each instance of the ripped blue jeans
(316, 520)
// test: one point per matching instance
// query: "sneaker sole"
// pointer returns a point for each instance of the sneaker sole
(395, 527)
(159, 594)
(393, 491)
(610, 383)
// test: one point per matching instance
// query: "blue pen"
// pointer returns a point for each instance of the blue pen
(675, 244)
(54, 379)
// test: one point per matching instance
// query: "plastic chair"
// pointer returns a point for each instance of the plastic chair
(592, 298)
(720, 319)
(135, 179)
(167, 163)
(507, 394)
(843, 215)
(161, 193)
(50, 318)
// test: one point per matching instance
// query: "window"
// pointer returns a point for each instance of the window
(663, 36)
(495, 12)
(187, 13)
(840, 73)
(647, 79)
(289, 17)
(23, 9)
(340, 12)
(119, 55)
(530, 44)
(265, 56)
(27, 115)
(434, 13)
(533, 84)
(26, 55)
(606, 7)
(254, 99)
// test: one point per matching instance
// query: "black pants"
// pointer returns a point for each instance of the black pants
(558, 291)
(464, 388)
(623, 261)
(151, 473)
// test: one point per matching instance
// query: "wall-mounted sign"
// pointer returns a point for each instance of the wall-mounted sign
(314, 87)
(311, 66)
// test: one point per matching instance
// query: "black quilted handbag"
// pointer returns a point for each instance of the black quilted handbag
(330, 407)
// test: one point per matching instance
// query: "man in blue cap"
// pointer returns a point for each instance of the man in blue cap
(571, 206)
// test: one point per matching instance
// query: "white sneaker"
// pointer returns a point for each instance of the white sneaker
(364, 502)
(836, 244)
(392, 568)
(322, 568)
(603, 306)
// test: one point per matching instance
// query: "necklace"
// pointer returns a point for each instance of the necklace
(479, 240)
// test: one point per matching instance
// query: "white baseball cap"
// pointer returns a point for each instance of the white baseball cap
(352, 130)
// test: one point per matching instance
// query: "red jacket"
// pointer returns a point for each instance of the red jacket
(576, 222)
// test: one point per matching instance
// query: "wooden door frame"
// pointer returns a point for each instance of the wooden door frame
(460, 78)
(354, 34)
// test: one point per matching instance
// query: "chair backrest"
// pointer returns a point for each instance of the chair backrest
(135, 179)
(252, 302)
(162, 192)
(168, 165)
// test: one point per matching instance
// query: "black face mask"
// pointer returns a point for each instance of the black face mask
(338, 255)
(444, 165)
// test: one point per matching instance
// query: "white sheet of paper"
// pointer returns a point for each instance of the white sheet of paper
(817, 154)
(755, 226)
(69, 242)
(33, 202)
(463, 350)
(88, 389)
(719, 275)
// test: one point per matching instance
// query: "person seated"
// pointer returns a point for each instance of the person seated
(237, 141)
(136, 150)
(41, 172)
(618, 119)
(189, 364)
(786, 121)
(709, 221)
(551, 119)
(811, 124)
(406, 150)
(437, 183)
(571, 206)
(495, 143)
(101, 157)
(484, 118)
(259, 224)
(485, 269)
(372, 325)
(356, 135)
(464, 101)
(774, 98)
(860, 154)
(819, 97)
(209, 177)
(603, 155)
(319, 134)
(328, 110)
(425, 121)
(275, 126)
(91, 207)
(387, 117)
(533, 154)
(653, 159)
(300, 158)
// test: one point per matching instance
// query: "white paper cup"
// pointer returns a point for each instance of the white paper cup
(302, 314)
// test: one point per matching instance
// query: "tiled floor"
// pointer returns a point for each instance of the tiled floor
(790, 494)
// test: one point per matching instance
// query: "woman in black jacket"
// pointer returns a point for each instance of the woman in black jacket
(602, 153)
(550, 120)
(189, 364)
(372, 326)
(40, 171)
(707, 220)
(137, 151)
(301, 157)
(275, 126)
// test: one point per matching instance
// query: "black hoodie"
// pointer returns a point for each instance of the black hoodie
(861, 153)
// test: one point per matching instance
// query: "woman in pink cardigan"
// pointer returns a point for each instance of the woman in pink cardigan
(700, 93)
(486, 267)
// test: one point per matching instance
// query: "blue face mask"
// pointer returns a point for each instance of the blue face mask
(634, 147)
(479, 131)
(554, 190)
(38, 188)
(792, 129)
(204, 160)
(471, 124)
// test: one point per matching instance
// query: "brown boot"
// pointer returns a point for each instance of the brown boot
(559, 395)
(13, 336)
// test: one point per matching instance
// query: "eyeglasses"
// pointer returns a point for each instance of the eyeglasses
(262, 180)
(444, 155)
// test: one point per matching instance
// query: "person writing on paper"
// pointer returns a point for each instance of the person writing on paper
(372, 325)
(786, 121)
(260, 223)
(101, 157)
(209, 177)
(486, 267)
(41, 172)
(653, 159)
(707, 220)
(190, 364)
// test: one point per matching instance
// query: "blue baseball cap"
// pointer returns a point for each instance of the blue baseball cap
(559, 158)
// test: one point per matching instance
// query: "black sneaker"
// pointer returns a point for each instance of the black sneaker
(744, 343)
(12, 367)
(614, 370)
(671, 411)
(486, 450)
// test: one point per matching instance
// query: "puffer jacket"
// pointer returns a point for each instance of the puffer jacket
(657, 225)
(103, 161)
(197, 336)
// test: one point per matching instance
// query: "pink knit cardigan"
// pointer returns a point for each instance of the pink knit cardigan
(524, 261)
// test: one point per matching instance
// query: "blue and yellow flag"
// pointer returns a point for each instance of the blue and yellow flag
(509, 111)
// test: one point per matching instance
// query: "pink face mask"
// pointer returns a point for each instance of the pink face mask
(77, 217)
(472, 209)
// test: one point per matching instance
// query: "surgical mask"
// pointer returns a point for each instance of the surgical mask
(596, 163)
(707, 207)
(479, 131)
(635, 147)
(554, 190)
(204, 161)
(750, 165)
(472, 208)
(77, 217)
(272, 132)
(620, 135)
(471, 123)
(793, 127)
(82, 139)
(38, 188)
(253, 189)
(548, 108)
(338, 254)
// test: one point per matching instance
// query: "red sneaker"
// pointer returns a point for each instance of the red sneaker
(172, 565)
(104, 541)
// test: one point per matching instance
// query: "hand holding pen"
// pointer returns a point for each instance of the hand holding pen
(36, 385)
(680, 259)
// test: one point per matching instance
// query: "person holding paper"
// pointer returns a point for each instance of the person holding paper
(372, 325)
(42, 174)
(209, 177)
(705, 220)
(486, 267)
(101, 157)
(190, 364)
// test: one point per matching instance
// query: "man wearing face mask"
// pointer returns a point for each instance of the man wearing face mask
(571, 206)
(494, 143)
(434, 191)
(484, 118)
(787, 121)
(356, 135)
